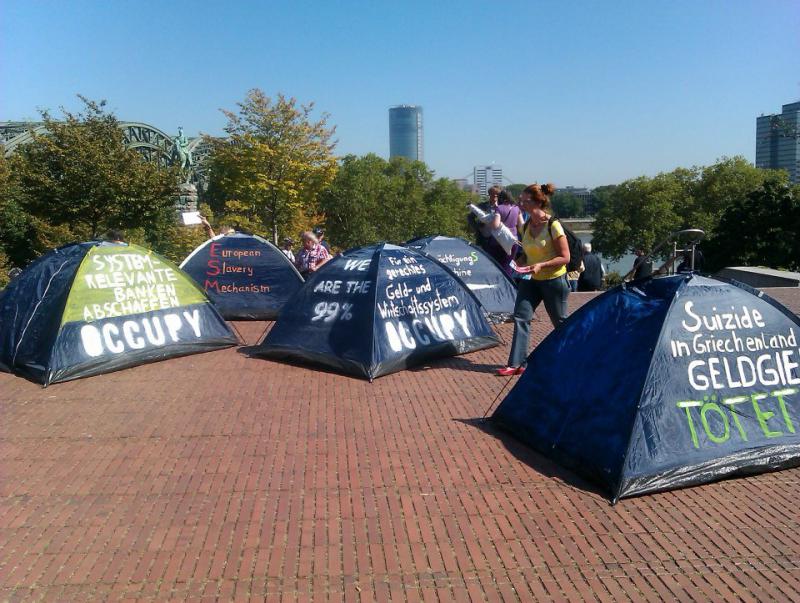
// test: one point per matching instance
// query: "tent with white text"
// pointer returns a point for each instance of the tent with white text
(245, 276)
(478, 271)
(376, 310)
(663, 383)
(90, 308)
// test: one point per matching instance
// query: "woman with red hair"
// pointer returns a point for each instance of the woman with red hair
(544, 265)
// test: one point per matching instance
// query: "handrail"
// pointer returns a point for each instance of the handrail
(696, 235)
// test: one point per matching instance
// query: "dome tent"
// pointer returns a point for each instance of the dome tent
(664, 383)
(375, 310)
(245, 276)
(494, 289)
(90, 308)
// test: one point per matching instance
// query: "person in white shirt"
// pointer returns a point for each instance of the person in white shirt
(287, 249)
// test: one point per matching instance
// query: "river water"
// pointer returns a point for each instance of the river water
(621, 266)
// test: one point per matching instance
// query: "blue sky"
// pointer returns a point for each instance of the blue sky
(579, 93)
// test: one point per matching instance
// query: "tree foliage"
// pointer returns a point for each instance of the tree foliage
(17, 234)
(721, 185)
(76, 181)
(760, 229)
(515, 189)
(372, 200)
(80, 177)
(567, 205)
(639, 213)
(599, 198)
(274, 164)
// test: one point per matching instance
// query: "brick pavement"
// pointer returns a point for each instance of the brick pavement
(219, 477)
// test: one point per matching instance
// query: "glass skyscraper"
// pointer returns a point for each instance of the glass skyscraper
(405, 132)
(778, 141)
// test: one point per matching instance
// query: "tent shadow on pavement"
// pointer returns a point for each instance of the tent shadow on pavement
(536, 461)
(251, 352)
(459, 363)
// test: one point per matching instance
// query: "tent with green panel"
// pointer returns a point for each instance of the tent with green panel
(90, 308)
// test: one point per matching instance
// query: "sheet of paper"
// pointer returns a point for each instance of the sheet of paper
(191, 217)
(517, 268)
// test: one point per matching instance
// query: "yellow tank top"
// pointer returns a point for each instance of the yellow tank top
(542, 248)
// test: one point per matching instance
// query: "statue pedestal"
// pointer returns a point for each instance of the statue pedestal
(186, 197)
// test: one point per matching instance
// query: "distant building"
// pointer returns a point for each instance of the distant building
(405, 132)
(778, 141)
(486, 176)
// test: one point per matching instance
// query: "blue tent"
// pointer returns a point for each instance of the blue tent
(246, 277)
(375, 310)
(90, 308)
(480, 273)
(664, 383)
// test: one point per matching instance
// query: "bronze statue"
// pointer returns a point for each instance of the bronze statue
(181, 153)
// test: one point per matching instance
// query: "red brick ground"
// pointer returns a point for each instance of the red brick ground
(220, 477)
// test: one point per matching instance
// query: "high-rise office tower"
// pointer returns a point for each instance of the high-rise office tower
(778, 141)
(485, 177)
(405, 132)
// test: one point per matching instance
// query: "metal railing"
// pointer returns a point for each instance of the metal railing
(689, 240)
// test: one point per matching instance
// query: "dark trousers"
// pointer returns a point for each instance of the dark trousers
(499, 255)
(530, 293)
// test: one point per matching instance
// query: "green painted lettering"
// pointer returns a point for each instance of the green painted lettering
(782, 403)
(764, 416)
(717, 439)
(730, 403)
(686, 405)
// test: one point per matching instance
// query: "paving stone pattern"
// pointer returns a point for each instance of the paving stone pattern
(220, 477)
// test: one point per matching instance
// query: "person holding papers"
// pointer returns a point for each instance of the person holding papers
(223, 230)
(544, 257)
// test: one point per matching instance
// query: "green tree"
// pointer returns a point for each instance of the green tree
(599, 197)
(640, 213)
(275, 162)
(372, 200)
(758, 230)
(515, 189)
(721, 185)
(444, 206)
(568, 205)
(80, 179)
(17, 235)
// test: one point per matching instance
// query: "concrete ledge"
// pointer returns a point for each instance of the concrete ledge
(761, 277)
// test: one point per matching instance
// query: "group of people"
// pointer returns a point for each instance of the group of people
(314, 251)
(504, 210)
(538, 262)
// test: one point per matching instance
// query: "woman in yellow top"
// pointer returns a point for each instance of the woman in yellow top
(546, 257)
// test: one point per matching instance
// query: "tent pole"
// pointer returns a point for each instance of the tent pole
(238, 333)
(497, 332)
(266, 330)
(500, 393)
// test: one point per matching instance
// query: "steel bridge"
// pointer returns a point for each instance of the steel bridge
(153, 144)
